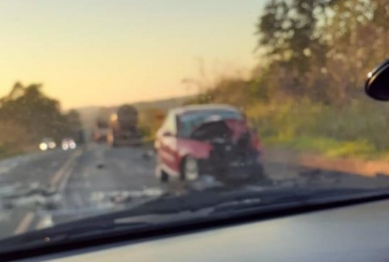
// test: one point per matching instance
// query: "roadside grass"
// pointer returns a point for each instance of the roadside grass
(356, 131)
(327, 146)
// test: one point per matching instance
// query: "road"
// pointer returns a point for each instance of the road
(86, 181)
(46, 188)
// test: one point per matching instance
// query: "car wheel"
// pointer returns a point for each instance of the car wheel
(190, 169)
(160, 173)
(164, 177)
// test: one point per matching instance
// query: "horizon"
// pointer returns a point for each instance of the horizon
(131, 103)
(123, 51)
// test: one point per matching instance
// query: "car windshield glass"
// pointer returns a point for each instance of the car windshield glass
(189, 121)
(162, 105)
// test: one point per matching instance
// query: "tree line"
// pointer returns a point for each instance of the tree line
(27, 115)
(321, 49)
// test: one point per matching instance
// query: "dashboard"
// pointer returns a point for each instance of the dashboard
(353, 233)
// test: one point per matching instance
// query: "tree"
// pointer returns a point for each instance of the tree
(290, 34)
(29, 109)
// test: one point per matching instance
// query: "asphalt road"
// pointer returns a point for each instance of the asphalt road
(47, 188)
(59, 186)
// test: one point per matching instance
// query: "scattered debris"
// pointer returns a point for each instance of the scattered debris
(122, 197)
(204, 183)
(290, 182)
(149, 154)
(33, 196)
(320, 176)
(311, 175)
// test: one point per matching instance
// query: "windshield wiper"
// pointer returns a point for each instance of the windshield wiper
(190, 211)
(308, 199)
(67, 234)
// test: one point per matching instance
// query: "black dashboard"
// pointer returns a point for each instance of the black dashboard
(353, 233)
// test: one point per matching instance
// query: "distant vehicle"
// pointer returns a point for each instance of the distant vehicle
(100, 132)
(101, 126)
(79, 137)
(208, 139)
(68, 144)
(47, 144)
(123, 127)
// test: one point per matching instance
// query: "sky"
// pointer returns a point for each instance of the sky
(94, 52)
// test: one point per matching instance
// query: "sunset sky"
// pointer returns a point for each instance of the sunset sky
(94, 52)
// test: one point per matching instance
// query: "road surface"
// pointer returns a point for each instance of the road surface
(84, 181)
(46, 188)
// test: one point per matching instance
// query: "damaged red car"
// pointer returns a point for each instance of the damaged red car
(212, 140)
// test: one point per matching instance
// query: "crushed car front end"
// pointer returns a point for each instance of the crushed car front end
(233, 156)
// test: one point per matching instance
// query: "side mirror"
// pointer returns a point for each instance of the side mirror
(377, 83)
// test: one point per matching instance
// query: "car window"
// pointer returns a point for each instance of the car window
(189, 121)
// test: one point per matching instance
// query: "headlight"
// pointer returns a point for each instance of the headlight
(52, 145)
(72, 145)
(43, 146)
(65, 146)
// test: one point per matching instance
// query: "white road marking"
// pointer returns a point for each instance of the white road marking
(66, 176)
(58, 175)
(61, 177)
(24, 224)
(63, 172)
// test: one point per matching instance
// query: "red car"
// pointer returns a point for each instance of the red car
(210, 140)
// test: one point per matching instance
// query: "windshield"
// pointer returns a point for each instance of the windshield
(99, 101)
(192, 120)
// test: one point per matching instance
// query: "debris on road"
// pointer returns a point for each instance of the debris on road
(34, 196)
(148, 155)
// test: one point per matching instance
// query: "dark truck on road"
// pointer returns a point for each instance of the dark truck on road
(123, 127)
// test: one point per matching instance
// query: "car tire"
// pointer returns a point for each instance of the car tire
(190, 170)
(164, 177)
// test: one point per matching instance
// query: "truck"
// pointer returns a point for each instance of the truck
(123, 127)
(101, 127)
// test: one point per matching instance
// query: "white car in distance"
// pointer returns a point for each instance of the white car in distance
(68, 144)
(47, 144)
